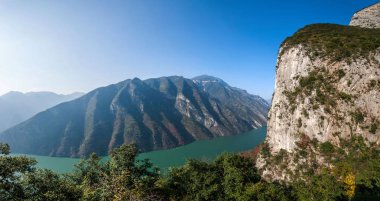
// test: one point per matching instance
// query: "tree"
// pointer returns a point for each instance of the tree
(226, 178)
(264, 191)
(88, 175)
(11, 169)
(20, 180)
(129, 177)
(123, 177)
(46, 185)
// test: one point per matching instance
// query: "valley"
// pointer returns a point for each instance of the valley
(177, 138)
(206, 150)
(158, 113)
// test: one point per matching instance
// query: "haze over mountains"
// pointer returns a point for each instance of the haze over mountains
(155, 113)
(16, 107)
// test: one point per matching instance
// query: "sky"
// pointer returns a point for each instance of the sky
(79, 45)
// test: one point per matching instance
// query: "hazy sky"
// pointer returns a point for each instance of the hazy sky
(79, 45)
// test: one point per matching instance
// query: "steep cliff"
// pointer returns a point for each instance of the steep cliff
(155, 114)
(327, 90)
(368, 17)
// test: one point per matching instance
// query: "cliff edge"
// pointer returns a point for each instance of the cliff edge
(327, 91)
(367, 18)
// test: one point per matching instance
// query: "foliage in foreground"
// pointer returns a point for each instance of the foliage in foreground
(230, 177)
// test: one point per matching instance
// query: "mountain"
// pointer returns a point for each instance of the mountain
(155, 114)
(327, 95)
(16, 107)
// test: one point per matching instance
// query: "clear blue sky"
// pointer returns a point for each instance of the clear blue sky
(79, 45)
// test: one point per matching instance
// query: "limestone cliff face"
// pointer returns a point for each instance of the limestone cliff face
(327, 89)
(306, 114)
(368, 17)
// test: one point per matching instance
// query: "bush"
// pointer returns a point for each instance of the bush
(280, 156)
(373, 128)
(326, 148)
(372, 84)
(358, 116)
(340, 73)
(265, 151)
(344, 96)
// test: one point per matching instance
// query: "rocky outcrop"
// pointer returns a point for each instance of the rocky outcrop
(155, 114)
(368, 17)
(316, 112)
(327, 90)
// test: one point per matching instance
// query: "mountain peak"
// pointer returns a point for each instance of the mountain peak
(205, 77)
(209, 79)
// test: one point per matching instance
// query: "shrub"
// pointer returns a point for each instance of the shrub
(358, 116)
(280, 156)
(326, 148)
(372, 84)
(373, 128)
(340, 73)
(265, 151)
(344, 96)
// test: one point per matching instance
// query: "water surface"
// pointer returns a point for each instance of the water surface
(205, 150)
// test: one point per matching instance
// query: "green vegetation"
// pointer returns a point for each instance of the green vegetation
(358, 116)
(350, 171)
(372, 84)
(326, 148)
(265, 151)
(335, 42)
(229, 177)
(345, 96)
(319, 87)
(373, 128)
(341, 73)
(355, 175)
(20, 180)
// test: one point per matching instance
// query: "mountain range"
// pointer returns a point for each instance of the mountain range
(16, 107)
(155, 114)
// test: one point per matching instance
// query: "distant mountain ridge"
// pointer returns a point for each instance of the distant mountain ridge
(16, 107)
(155, 113)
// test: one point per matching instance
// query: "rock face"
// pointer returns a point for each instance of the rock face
(327, 89)
(368, 17)
(155, 114)
(16, 107)
(297, 109)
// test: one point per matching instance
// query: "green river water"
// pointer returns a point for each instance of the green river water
(204, 150)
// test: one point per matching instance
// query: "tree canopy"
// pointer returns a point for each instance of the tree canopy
(229, 177)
